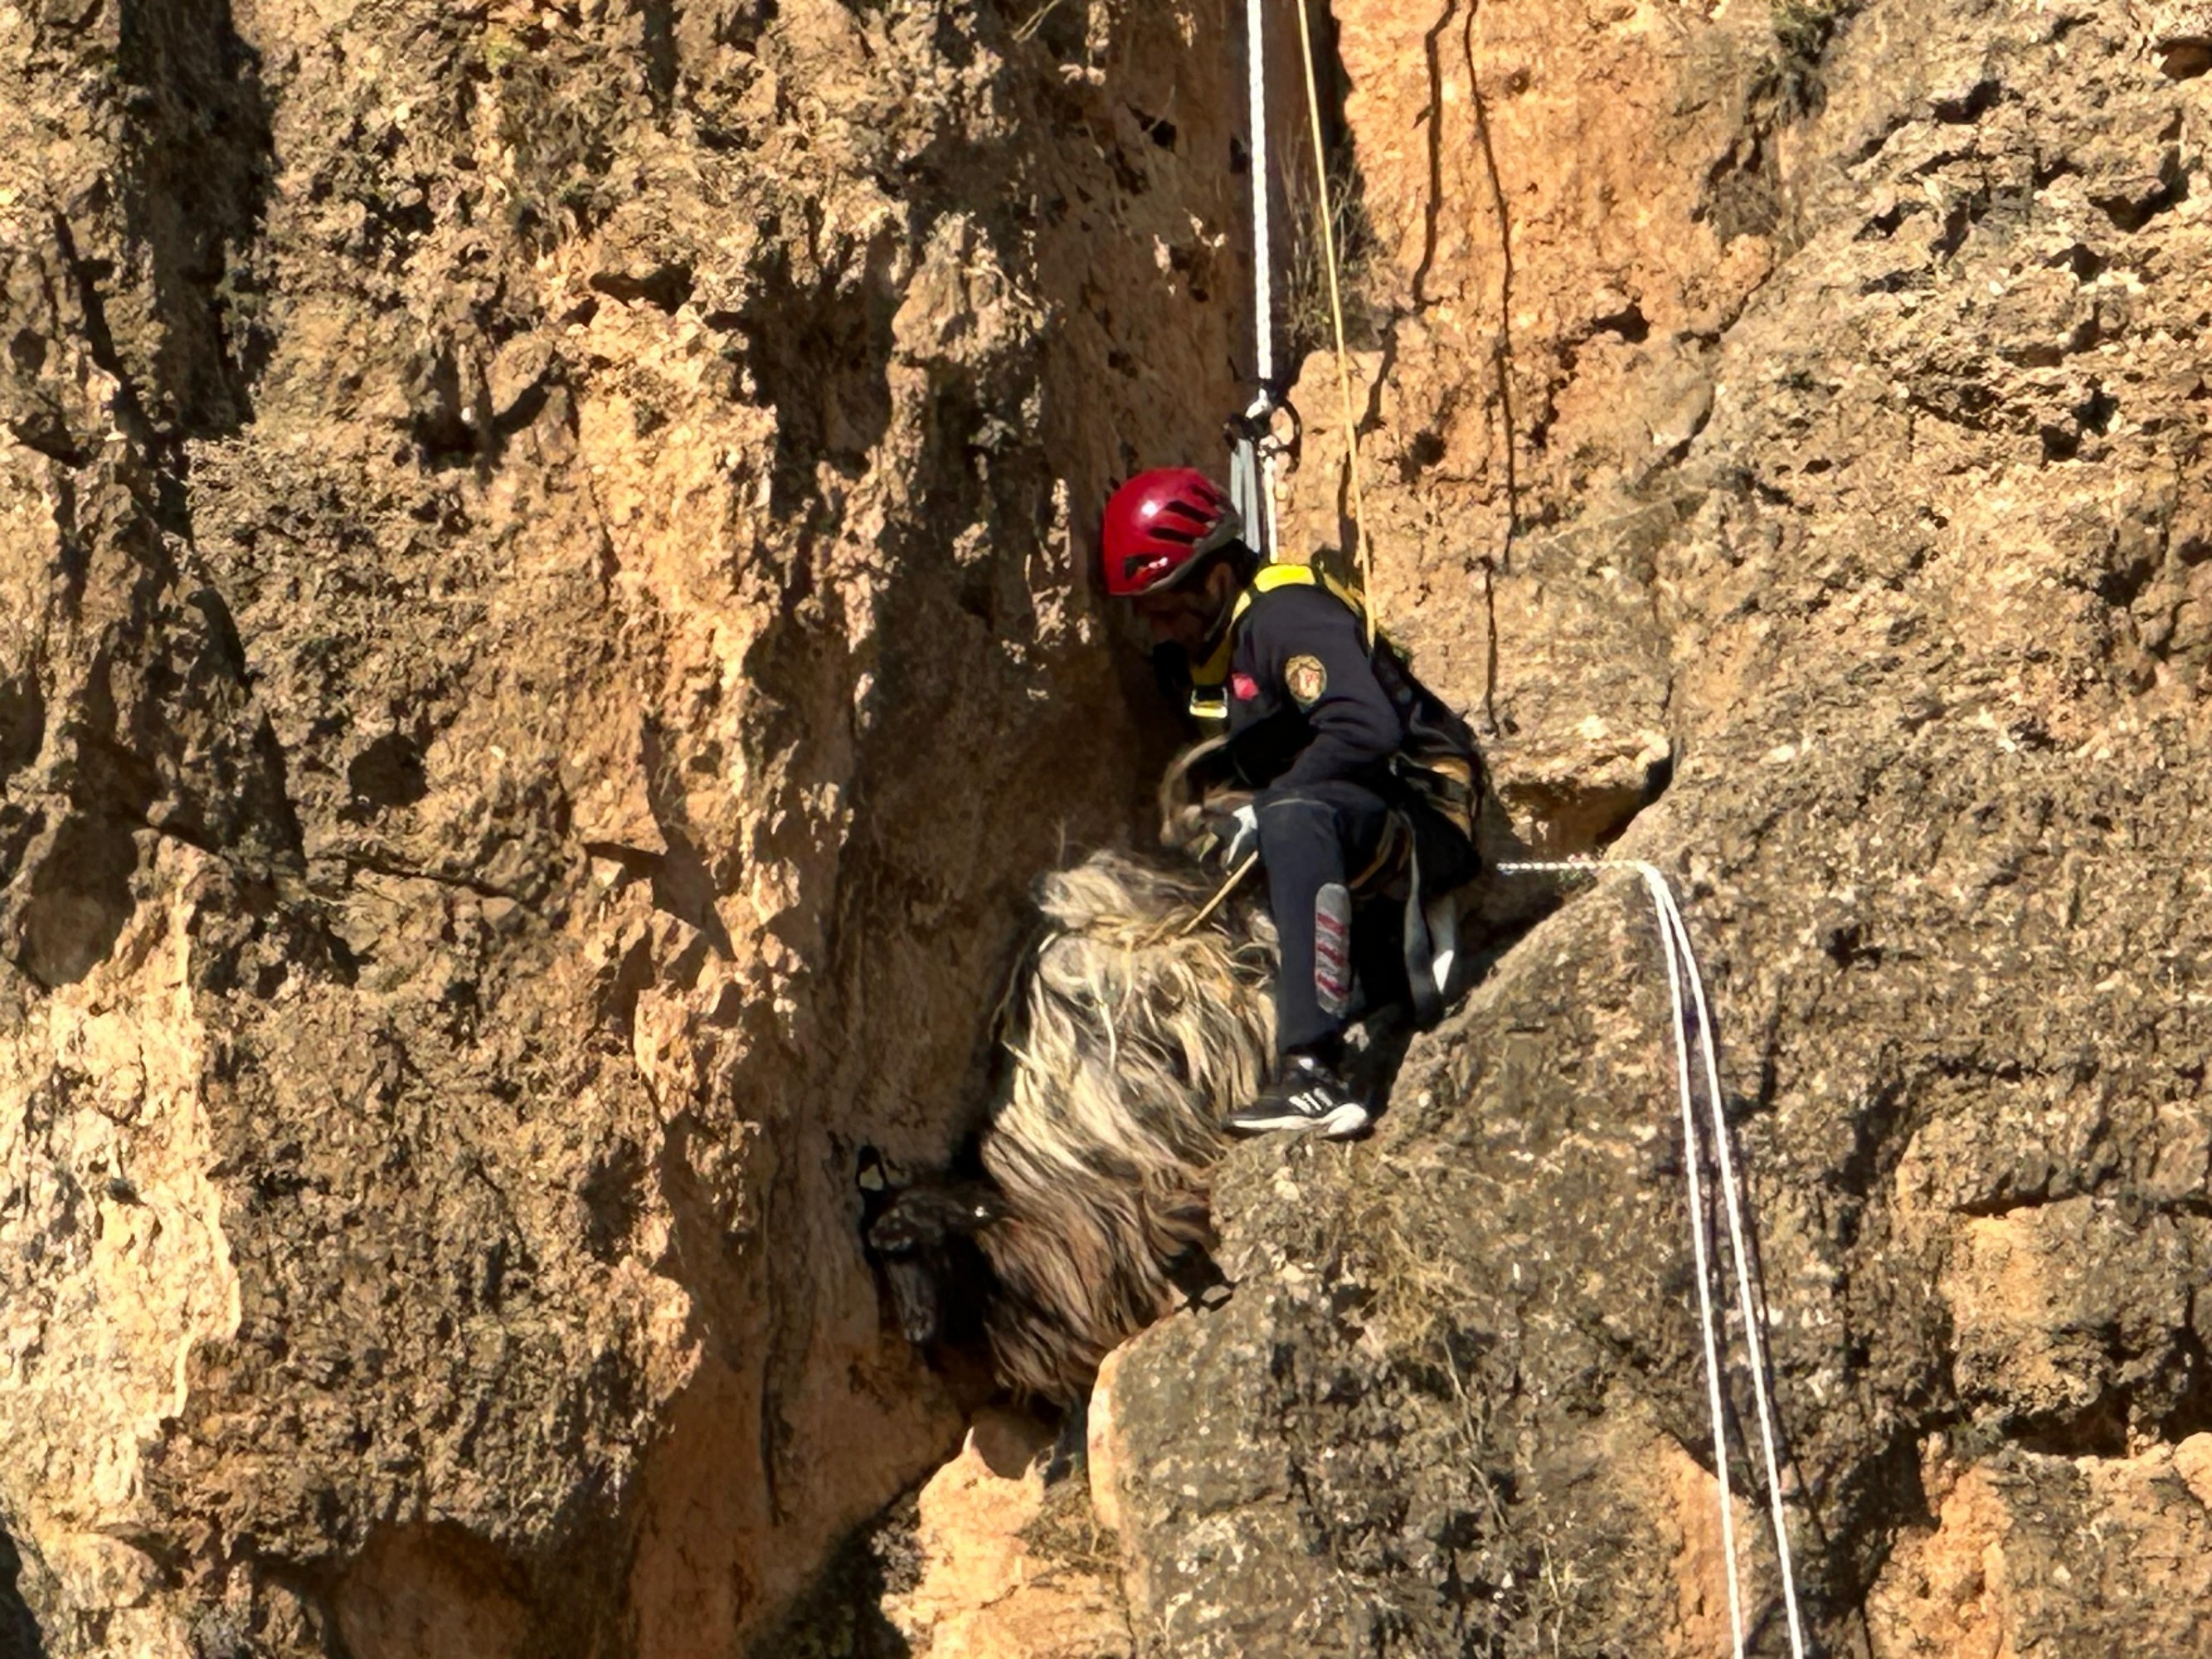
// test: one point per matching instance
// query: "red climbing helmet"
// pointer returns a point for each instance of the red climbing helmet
(1158, 524)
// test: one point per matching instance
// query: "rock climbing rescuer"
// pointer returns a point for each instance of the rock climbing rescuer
(1365, 783)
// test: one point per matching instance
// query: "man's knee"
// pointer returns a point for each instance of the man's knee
(1290, 823)
(1332, 965)
(1343, 813)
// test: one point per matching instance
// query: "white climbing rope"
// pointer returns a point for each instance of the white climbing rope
(1699, 1248)
(1252, 465)
(1263, 300)
(1747, 1308)
(1681, 969)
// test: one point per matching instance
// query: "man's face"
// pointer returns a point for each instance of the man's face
(1187, 616)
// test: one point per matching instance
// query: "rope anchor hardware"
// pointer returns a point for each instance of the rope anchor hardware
(1683, 976)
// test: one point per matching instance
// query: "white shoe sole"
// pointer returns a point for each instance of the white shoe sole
(1348, 1119)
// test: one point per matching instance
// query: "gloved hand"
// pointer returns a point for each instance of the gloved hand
(1236, 834)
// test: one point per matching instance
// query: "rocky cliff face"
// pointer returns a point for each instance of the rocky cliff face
(547, 633)
(546, 637)
(1816, 401)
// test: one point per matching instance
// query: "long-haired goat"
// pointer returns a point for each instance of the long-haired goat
(1130, 1033)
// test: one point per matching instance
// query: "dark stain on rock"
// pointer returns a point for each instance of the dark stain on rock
(389, 772)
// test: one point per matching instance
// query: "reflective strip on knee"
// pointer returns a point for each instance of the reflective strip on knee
(1332, 948)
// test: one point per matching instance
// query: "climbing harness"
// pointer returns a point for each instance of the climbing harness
(1209, 694)
(1438, 765)
(1688, 1012)
(1270, 577)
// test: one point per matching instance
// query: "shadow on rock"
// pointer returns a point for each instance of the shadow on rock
(842, 1615)
(20, 1637)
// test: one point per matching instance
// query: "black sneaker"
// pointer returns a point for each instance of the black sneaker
(1309, 1098)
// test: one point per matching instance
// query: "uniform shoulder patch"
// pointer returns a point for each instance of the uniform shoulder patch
(1305, 679)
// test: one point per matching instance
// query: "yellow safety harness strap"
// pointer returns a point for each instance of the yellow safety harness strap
(1208, 700)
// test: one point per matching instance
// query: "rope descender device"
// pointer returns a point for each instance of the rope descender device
(1257, 448)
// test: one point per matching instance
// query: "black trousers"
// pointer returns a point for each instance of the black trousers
(1316, 839)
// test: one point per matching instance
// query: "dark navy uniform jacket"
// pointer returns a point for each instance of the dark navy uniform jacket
(1305, 705)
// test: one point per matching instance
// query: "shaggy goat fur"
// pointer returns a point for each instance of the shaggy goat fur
(1128, 1039)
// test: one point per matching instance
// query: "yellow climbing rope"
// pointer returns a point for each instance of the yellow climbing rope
(1336, 316)
(1366, 607)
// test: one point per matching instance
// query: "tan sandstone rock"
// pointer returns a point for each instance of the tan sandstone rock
(1844, 359)
(990, 1588)
(546, 621)
(547, 627)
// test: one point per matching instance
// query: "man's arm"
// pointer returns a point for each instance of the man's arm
(1311, 649)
